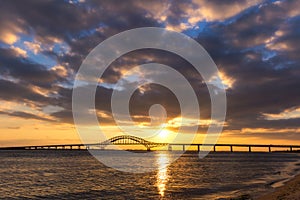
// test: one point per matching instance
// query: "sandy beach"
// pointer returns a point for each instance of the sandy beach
(289, 191)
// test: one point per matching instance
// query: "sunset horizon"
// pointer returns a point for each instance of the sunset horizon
(200, 98)
(39, 62)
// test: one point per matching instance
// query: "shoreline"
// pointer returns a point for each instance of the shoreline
(289, 191)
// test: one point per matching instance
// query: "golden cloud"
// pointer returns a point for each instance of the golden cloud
(286, 114)
(227, 81)
(60, 70)
(9, 33)
(19, 51)
(8, 38)
(34, 47)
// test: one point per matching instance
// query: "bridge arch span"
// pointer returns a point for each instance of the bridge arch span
(124, 139)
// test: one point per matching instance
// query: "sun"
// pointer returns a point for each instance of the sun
(163, 134)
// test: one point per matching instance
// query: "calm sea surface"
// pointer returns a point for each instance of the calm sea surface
(65, 174)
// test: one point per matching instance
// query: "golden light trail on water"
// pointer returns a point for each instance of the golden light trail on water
(162, 176)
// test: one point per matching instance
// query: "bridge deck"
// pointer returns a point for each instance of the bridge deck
(170, 145)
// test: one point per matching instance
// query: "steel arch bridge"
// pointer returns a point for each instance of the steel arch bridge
(131, 140)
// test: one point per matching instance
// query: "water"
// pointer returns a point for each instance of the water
(63, 174)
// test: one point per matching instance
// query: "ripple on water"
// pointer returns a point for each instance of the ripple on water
(76, 174)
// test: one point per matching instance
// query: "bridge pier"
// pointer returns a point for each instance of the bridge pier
(270, 149)
(214, 148)
(198, 146)
(249, 148)
(183, 147)
(291, 149)
(231, 148)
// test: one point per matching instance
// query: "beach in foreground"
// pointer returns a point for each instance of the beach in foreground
(289, 191)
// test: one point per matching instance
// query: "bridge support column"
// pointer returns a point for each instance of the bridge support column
(231, 149)
(198, 146)
(291, 148)
(249, 148)
(214, 148)
(183, 147)
(148, 149)
(270, 149)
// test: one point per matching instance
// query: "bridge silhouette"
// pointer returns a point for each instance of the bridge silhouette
(133, 140)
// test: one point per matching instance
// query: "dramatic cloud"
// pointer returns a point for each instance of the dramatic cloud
(254, 43)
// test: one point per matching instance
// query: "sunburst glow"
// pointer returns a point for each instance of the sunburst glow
(163, 134)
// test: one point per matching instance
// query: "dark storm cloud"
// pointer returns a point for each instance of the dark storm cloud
(157, 94)
(25, 70)
(289, 43)
(75, 24)
(26, 115)
(50, 18)
(64, 116)
(49, 21)
(262, 84)
(102, 104)
(256, 26)
(11, 91)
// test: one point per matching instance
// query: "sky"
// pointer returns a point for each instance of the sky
(254, 43)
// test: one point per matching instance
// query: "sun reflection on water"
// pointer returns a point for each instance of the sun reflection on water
(162, 174)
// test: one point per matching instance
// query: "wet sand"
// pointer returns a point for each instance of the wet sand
(289, 191)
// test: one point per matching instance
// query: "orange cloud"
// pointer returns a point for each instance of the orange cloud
(270, 130)
(60, 70)
(9, 33)
(19, 52)
(34, 47)
(39, 90)
(226, 80)
(10, 107)
(8, 37)
(194, 12)
(286, 114)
